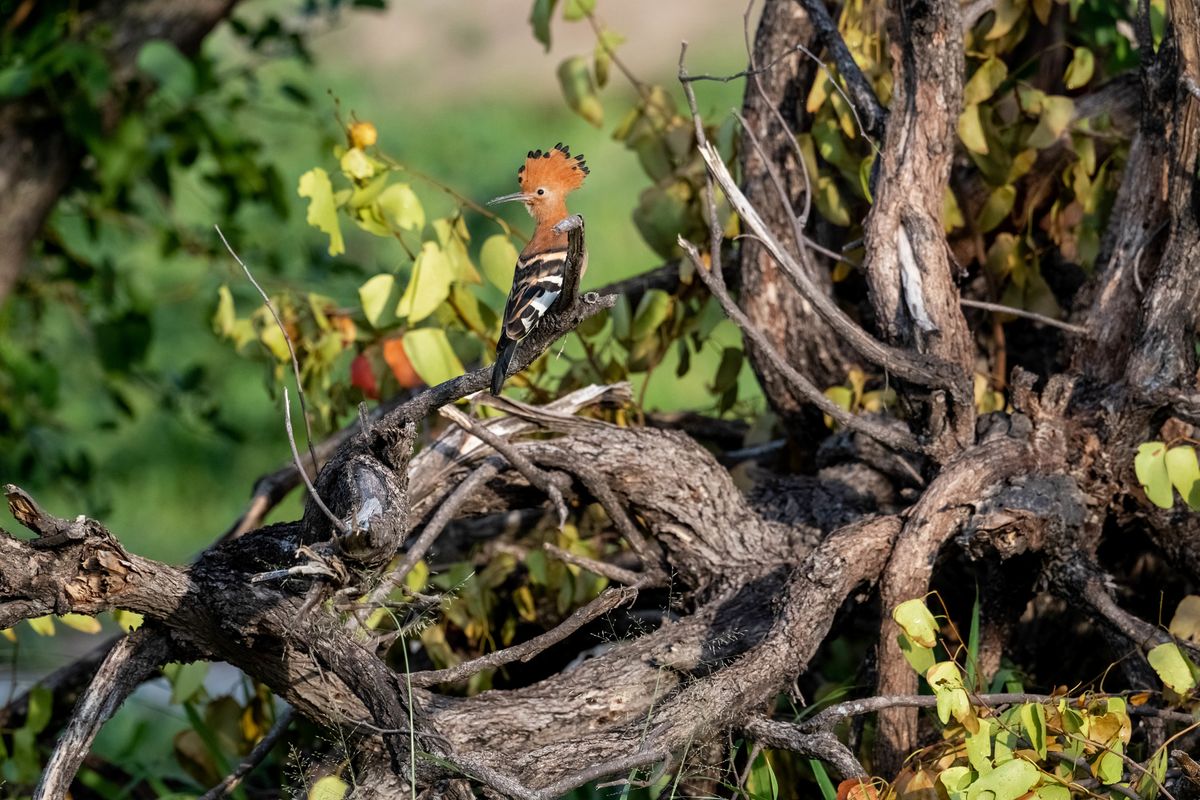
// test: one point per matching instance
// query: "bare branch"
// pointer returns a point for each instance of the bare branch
(610, 571)
(525, 651)
(338, 524)
(234, 779)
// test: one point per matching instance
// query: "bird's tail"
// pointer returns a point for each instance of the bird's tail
(505, 349)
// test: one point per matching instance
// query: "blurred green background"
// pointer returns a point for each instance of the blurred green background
(459, 91)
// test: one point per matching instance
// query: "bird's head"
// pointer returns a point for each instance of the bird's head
(546, 179)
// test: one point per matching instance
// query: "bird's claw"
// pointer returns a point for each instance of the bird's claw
(591, 297)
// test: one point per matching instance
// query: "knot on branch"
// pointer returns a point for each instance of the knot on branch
(1023, 516)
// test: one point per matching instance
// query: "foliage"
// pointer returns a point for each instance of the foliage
(1044, 747)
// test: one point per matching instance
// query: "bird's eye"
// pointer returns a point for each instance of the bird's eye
(541, 191)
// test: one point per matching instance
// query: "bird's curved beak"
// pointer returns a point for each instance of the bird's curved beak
(508, 198)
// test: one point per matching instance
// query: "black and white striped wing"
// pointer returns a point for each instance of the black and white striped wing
(537, 284)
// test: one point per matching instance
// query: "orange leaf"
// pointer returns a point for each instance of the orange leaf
(856, 789)
(402, 368)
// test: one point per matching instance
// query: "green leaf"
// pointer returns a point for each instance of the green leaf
(1007, 14)
(997, 207)
(979, 747)
(379, 297)
(914, 617)
(970, 130)
(185, 679)
(539, 18)
(1080, 70)
(652, 312)
(918, 657)
(431, 355)
(170, 69)
(728, 369)
(498, 259)
(1057, 113)
(985, 81)
(828, 792)
(1008, 781)
(356, 165)
(331, 787)
(1052, 791)
(830, 202)
(128, 620)
(401, 207)
(1033, 722)
(42, 626)
(575, 10)
(578, 90)
(81, 623)
(762, 784)
(1184, 472)
(226, 315)
(1109, 768)
(41, 705)
(322, 211)
(1150, 465)
(956, 780)
(428, 286)
(606, 42)
(1154, 776)
(1172, 667)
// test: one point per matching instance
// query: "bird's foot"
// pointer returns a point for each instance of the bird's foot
(591, 298)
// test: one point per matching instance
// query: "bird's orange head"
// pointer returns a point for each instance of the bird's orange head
(546, 179)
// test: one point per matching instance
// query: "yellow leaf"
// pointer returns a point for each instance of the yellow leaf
(363, 134)
(428, 286)
(1186, 622)
(970, 130)
(322, 212)
(356, 165)
(42, 626)
(984, 82)
(1057, 113)
(330, 787)
(81, 623)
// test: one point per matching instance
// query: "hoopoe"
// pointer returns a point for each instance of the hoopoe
(545, 268)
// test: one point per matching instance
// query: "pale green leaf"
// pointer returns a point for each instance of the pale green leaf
(1150, 465)
(1057, 113)
(378, 298)
(1186, 622)
(1008, 781)
(830, 202)
(356, 165)
(185, 679)
(606, 42)
(170, 69)
(42, 626)
(498, 259)
(956, 780)
(322, 211)
(128, 620)
(1052, 791)
(1109, 768)
(428, 286)
(914, 617)
(970, 130)
(431, 355)
(81, 623)
(1080, 70)
(1172, 667)
(575, 10)
(1184, 471)
(1154, 776)
(1007, 14)
(40, 708)
(985, 81)
(330, 787)
(578, 90)
(762, 783)
(226, 315)
(652, 312)
(918, 657)
(997, 207)
(401, 207)
(1033, 722)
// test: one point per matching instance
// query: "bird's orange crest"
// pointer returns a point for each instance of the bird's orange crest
(555, 168)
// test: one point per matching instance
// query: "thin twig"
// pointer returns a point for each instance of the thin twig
(610, 571)
(888, 435)
(253, 758)
(538, 477)
(312, 490)
(715, 230)
(525, 651)
(286, 338)
(1020, 312)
